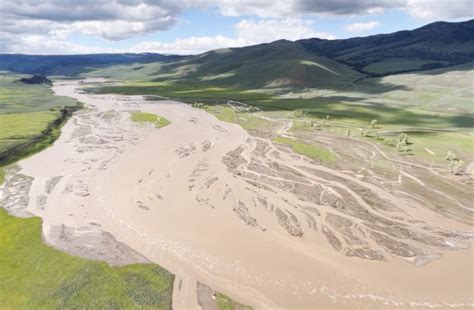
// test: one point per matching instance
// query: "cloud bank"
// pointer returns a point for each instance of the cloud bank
(45, 26)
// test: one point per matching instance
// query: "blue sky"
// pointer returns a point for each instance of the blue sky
(195, 26)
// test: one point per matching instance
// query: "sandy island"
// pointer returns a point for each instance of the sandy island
(215, 205)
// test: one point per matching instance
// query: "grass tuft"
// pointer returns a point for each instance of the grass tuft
(2, 175)
(142, 117)
(226, 303)
(307, 150)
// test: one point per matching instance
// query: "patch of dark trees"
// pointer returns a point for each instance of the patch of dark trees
(36, 79)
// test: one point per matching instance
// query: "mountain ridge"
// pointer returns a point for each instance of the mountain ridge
(435, 45)
(295, 64)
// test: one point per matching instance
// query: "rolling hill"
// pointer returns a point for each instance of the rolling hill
(435, 45)
(316, 63)
(273, 65)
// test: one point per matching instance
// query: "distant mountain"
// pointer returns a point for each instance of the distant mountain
(278, 64)
(72, 64)
(435, 45)
(316, 63)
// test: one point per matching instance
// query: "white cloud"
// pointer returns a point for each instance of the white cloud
(441, 9)
(285, 8)
(247, 32)
(112, 20)
(259, 8)
(268, 30)
(121, 19)
(361, 27)
(39, 44)
(426, 9)
(187, 46)
(24, 21)
(117, 29)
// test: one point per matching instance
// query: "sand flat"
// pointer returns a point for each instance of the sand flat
(213, 204)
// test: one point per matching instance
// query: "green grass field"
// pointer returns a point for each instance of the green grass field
(25, 112)
(142, 117)
(2, 175)
(184, 91)
(16, 97)
(362, 114)
(30, 118)
(246, 120)
(226, 303)
(16, 128)
(308, 150)
(36, 276)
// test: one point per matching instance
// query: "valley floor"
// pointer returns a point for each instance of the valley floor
(245, 215)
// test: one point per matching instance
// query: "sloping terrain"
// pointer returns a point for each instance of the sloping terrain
(278, 64)
(445, 90)
(433, 46)
(72, 64)
(324, 64)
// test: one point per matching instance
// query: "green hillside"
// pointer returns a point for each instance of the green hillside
(281, 64)
(314, 63)
(445, 90)
(278, 64)
(435, 45)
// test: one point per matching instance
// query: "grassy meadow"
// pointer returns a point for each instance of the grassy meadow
(26, 111)
(36, 276)
(183, 91)
(16, 97)
(142, 117)
(308, 150)
(16, 128)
